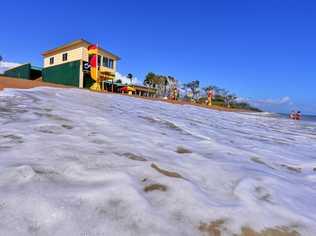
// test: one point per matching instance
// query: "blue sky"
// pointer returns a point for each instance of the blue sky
(263, 50)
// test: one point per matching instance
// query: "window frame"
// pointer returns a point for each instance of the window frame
(111, 63)
(104, 61)
(51, 60)
(65, 56)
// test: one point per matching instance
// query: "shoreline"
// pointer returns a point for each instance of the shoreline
(179, 102)
(10, 82)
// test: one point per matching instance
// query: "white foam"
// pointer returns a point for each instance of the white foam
(64, 167)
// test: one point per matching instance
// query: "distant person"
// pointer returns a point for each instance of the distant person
(210, 95)
(295, 115)
(298, 115)
(292, 114)
(175, 94)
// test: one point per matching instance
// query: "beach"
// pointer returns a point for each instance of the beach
(83, 163)
(9, 82)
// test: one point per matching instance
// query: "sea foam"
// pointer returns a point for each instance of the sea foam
(81, 163)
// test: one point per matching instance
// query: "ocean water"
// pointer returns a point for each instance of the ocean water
(309, 118)
(73, 162)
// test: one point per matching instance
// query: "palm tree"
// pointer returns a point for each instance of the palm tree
(130, 77)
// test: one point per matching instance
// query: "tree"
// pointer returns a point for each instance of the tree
(172, 84)
(212, 87)
(149, 80)
(163, 84)
(229, 98)
(223, 97)
(195, 88)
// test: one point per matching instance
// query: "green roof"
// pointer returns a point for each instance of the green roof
(36, 68)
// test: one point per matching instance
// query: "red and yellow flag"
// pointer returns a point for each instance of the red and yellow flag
(92, 49)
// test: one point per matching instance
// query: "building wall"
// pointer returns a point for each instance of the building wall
(67, 73)
(74, 54)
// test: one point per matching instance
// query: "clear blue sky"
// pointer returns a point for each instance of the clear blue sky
(260, 49)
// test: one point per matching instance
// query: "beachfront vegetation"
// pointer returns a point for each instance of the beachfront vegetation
(162, 83)
(194, 89)
(192, 92)
(223, 97)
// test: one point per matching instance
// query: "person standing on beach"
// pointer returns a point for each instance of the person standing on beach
(210, 95)
(175, 94)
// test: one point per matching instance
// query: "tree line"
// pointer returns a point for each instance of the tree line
(163, 84)
(193, 92)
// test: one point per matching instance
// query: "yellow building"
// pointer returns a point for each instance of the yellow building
(68, 64)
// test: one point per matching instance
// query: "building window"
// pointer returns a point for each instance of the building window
(51, 60)
(105, 62)
(111, 63)
(65, 56)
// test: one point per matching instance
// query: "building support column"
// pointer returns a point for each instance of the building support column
(81, 75)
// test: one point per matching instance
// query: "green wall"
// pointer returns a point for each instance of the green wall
(67, 74)
(23, 72)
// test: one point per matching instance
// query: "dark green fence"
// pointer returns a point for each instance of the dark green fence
(26, 71)
(22, 72)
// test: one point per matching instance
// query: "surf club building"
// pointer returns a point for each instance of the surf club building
(80, 64)
(69, 64)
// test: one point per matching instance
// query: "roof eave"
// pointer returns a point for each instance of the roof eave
(74, 43)
(65, 46)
